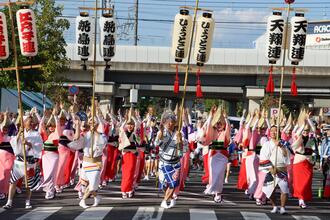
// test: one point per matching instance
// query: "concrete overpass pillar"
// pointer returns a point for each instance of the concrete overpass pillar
(106, 101)
(232, 108)
(253, 105)
(254, 96)
(189, 103)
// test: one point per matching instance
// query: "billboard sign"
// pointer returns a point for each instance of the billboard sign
(318, 33)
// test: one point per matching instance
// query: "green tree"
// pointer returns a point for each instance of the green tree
(210, 102)
(156, 102)
(51, 47)
(270, 101)
(239, 109)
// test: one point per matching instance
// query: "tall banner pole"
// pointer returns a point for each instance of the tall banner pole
(107, 51)
(94, 78)
(283, 67)
(281, 84)
(187, 69)
(20, 106)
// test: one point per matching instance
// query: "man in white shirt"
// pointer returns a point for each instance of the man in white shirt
(276, 153)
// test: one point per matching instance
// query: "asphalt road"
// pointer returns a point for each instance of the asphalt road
(191, 204)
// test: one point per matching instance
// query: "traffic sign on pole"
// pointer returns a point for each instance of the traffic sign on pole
(73, 90)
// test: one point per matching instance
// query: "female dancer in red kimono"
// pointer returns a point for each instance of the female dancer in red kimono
(113, 151)
(303, 166)
(187, 131)
(141, 147)
(242, 177)
(128, 144)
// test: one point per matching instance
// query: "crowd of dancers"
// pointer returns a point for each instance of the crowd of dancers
(72, 148)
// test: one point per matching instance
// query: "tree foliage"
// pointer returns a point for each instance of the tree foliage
(210, 102)
(270, 101)
(156, 102)
(51, 47)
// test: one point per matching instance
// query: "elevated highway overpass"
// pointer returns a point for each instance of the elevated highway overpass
(229, 74)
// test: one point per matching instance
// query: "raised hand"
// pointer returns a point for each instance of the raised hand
(75, 99)
(55, 111)
(265, 115)
(309, 114)
(224, 114)
(214, 110)
(76, 120)
(61, 105)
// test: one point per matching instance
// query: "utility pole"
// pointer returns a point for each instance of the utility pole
(106, 4)
(136, 22)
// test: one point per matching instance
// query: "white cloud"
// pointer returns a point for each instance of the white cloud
(227, 34)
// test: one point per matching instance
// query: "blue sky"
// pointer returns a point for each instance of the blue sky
(239, 22)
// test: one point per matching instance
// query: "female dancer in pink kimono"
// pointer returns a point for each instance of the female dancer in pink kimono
(261, 173)
(217, 137)
(252, 161)
(50, 132)
(7, 156)
(65, 153)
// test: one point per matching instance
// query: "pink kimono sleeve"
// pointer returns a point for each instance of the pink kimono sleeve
(208, 132)
(227, 133)
(239, 136)
(255, 137)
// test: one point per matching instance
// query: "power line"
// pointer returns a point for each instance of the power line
(240, 2)
(205, 2)
(215, 5)
(171, 21)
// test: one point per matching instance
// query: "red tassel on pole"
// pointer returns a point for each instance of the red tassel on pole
(199, 93)
(270, 84)
(176, 82)
(294, 90)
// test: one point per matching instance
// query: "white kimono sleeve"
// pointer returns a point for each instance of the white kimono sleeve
(77, 144)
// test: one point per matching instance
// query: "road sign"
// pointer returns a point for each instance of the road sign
(73, 90)
(274, 111)
(326, 111)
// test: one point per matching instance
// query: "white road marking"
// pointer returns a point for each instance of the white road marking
(198, 214)
(147, 213)
(304, 217)
(95, 213)
(39, 213)
(254, 216)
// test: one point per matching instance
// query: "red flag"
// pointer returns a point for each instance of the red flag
(176, 82)
(199, 93)
(294, 90)
(270, 85)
